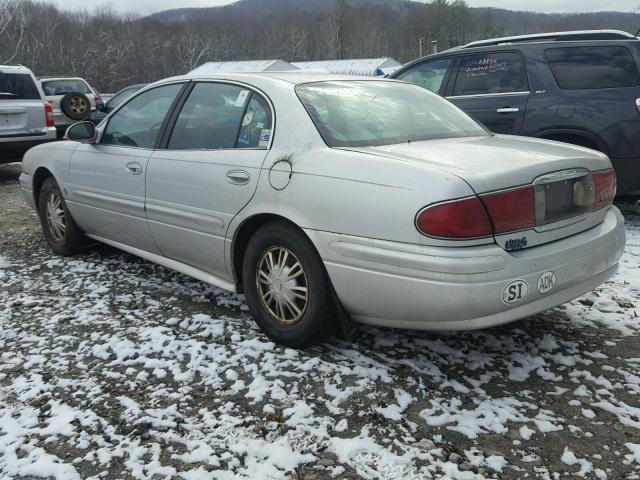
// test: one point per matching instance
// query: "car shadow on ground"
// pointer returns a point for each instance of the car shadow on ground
(10, 172)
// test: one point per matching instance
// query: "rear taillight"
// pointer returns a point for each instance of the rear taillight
(465, 218)
(482, 216)
(638, 103)
(605, 186)
(48, 112)
(97, 99)
(511, 210)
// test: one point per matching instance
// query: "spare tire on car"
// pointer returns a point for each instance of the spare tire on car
(76, 106)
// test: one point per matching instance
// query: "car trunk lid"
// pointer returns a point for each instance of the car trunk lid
(560, 178)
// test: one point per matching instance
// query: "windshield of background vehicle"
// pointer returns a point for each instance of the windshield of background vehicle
(62, 87)
(354, 113)
(17, 86)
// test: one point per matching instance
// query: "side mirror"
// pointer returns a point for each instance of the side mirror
(81, 132)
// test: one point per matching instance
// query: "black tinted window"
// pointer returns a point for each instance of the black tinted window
(217, 116)
(17, 86)
(429, 75)
(501, 72)
(592, 67)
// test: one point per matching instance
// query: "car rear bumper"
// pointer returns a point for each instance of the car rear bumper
(428, 288)
(628, 170)
(12, 149)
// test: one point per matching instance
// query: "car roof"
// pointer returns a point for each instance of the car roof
(294, 78)
(522, 42)
(56, 79)
(14, 69)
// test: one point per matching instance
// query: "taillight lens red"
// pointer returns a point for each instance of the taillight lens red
(511, 210)
(48, 112)
(606, 184)
(458, 219)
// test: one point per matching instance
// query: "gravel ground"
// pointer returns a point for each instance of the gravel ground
(112, 367)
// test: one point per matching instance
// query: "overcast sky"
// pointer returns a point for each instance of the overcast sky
(149, 6)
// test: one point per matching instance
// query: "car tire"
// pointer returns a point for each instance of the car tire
(60, 231)
(76, 106)
(282, 246)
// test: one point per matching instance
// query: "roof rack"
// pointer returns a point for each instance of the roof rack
(577, 35)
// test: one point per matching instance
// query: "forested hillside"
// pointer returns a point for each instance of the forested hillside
(113, 50)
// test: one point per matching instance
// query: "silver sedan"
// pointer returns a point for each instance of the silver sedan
(324, 198)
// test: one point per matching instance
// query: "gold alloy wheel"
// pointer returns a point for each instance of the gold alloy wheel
(55, 216)
(78, 105)
(282, 285)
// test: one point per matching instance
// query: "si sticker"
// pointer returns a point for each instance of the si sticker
(546, 282)
(515, 292)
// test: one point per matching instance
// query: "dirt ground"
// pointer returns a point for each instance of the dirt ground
(112, 367)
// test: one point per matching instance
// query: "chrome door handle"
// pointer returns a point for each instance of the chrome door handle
(508, 110)
(134, 168)
(238, 177)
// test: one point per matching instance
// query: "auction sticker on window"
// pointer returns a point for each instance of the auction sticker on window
(546, 282)
(515, 292)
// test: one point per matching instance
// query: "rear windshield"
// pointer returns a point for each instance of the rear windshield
(577, 68)
(362, 113)
(62, 87)
(18, 86)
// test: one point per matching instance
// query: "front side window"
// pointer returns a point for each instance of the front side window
(18, 86)
(120, 98)
(502, 72)
(218, 115)
(138, 123)
(429, 75)
(368, 113)
(576, 68)
(62, 87)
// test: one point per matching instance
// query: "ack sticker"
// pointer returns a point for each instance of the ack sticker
(244, 136)
(515, 292)
(546, 282)
(265, 136)
(242, 96)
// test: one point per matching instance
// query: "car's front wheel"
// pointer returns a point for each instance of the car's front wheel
(286, 286)
(60, 231)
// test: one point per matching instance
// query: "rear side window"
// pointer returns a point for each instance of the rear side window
(576, 68)
(62, 87)
(429, 75)
(501, 72)
(18, 86)
(218, 115)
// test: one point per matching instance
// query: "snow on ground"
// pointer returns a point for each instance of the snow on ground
(112, 367)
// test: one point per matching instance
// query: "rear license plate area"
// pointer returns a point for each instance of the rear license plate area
(557, 201)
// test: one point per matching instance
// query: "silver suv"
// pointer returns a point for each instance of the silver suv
(26, 119)
(72, 99)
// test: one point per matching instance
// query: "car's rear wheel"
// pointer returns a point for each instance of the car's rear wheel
(60, 231)
(287, 288)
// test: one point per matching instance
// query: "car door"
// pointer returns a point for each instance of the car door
(493, 88)
(106, 188)
(208, 172)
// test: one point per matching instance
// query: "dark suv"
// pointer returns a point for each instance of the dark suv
(576, 87)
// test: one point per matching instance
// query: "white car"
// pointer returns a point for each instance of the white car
(319, 194)
(72, 99)
(26, 119)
